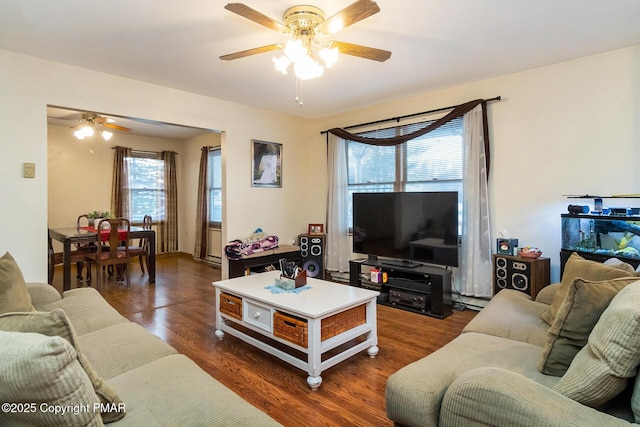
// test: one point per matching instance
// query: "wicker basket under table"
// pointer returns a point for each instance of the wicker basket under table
(231, 305)
(295, 330)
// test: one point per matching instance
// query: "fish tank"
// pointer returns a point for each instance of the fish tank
(605, 235)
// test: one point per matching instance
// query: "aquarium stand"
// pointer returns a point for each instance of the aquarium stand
(565, 254)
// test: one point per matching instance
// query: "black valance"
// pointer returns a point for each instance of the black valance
(456, 112)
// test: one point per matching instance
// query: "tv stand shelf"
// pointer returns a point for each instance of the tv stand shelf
(421, 289)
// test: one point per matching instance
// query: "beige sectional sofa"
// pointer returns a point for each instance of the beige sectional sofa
(104, 367)
(569, 358)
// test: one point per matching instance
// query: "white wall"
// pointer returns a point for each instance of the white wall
(569, 128)
(28, 85)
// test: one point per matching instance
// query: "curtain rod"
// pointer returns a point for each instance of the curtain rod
(147, 151)
(397, 119)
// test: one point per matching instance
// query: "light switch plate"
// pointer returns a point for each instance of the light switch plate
(29, 170)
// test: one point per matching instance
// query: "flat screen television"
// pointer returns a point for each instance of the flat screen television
(410, 228)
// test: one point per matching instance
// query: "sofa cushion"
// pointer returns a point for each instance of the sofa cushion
(174, 391)
(55, 323)
(496, 397)
(414, 393)
(600, 370)
(121, 348)
(87, 310)
(42, 293)
(575, 267)
(42, 370)
(14, 295)
(511, 314)
(578, 314)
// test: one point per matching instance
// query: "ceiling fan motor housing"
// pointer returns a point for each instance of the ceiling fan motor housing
(303, 17)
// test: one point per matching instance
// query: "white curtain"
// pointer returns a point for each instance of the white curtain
(475, 263)
(338, 248)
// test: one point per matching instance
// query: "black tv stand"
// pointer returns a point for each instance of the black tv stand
(422, 289)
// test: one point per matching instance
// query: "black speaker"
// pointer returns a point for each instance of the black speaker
(312, 254)
(522, 274)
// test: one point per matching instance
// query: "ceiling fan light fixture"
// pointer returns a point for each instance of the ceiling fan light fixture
(281, 64)
(295, 50)
(329, 56)
(300, 54)
(307, 68)
(106, 135)
(85, 131)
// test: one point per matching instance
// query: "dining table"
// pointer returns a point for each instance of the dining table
(69, 236)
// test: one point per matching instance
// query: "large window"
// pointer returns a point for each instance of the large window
(215, 188)
(432, 162)
(146, 174)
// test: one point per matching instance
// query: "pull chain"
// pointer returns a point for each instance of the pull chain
(298, 98)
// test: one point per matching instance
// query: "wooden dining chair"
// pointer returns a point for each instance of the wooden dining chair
(111, 252)
(142, 249)
(85, 247)
(57, 258)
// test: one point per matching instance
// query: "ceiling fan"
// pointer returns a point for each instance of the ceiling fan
(91, 123)
(306, 26)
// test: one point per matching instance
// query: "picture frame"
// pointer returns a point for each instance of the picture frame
(266, 164)
(316, 229)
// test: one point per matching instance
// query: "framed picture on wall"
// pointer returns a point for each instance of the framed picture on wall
(266, 164)
(316, 229)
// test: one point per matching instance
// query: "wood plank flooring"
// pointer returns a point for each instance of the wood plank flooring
(180, 309)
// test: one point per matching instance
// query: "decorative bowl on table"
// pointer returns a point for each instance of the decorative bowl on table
(532, 253)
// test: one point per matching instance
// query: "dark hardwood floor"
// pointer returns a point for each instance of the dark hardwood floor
(180, 308)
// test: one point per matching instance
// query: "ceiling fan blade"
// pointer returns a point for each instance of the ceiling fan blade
(351, 14)
(362, 51)
(104, 122)
(249, 52)
(116, 127)
(255, 16)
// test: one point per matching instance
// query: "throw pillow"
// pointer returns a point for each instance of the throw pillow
(599, 372)
(56, 323)
(575, 267)
(582, 306)
(14, 295)
(41, 373)
(617, 263)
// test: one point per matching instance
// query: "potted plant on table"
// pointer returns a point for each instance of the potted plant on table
(95, 217)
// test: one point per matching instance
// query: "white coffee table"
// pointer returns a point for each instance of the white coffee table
(319, 306)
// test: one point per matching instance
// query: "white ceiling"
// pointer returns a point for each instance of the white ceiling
(435, 44)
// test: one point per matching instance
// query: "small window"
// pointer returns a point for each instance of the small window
(215, 188)
(146, 174)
